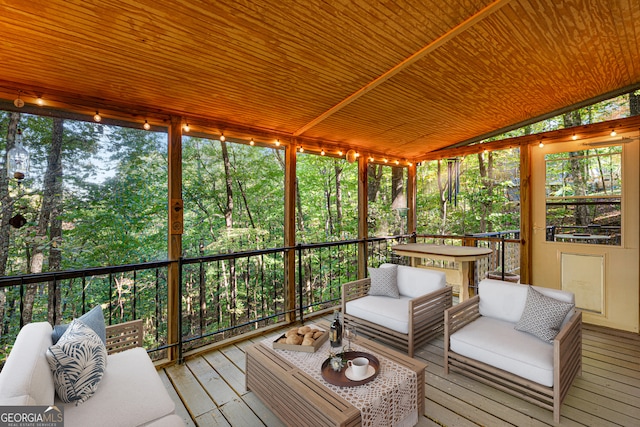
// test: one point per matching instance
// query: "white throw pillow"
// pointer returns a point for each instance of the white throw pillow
(384, 281)
(542, 315)
(78, 361)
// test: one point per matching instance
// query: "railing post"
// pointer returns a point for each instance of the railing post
(300, 279)
(502, 248)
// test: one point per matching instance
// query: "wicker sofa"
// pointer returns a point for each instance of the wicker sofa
(406, 322)
(482, 342)
(130, 393)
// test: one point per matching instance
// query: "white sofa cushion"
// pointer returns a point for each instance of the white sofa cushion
(26, 378)
(506, 301)
(131, 393)
(502, 300)
(415, 282)
(392, 313)
(496, 343)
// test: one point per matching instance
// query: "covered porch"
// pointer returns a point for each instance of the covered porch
(392, 84)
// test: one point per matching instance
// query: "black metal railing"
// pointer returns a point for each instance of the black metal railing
(222, 295)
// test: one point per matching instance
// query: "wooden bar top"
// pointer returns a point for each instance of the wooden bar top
(443, 252)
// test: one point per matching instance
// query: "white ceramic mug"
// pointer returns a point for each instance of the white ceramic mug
(359, 366)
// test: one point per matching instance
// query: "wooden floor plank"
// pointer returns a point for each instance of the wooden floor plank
(211, 381)
(230, 372)
(266, 416)
(213, 418)
(195, 398)
(235, 355)
(239, 414)
(180, 410)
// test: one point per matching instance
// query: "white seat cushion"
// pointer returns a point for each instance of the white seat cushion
(131, 393)
(392, 313)
(414, 281)
(496, 343)
(26, 378)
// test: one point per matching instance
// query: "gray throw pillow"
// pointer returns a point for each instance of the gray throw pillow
(384, 281)
(93, 318)
(78, 362)
(542, 315)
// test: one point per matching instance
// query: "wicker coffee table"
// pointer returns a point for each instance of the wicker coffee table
(298, 399)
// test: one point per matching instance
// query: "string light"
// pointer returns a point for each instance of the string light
(40, 101)
(385, 160)
(222, 137)
(97, 117)
(397, 162)
(613, 132)
(252, 142)
(340, 153)
(146, 125)
(574, 137)
(301, 149)
(18, 102)
(322, 153)
(277, 142)
(410, 164)
(186, 127)
(371, 159)
(541, 144)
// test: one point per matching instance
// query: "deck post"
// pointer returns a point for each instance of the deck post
(363, 209)
(290, 231)
(175, 235)
(526, 214)
(412, 202)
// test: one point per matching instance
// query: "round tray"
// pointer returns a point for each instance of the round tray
(340, 379)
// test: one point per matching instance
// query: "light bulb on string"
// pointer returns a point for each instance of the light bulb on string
(252, 142)
(322, 152)
(277, 142)
(541, 144)
(574, 137)
(18, 102)
(146, 125)
(40, 101)
(222, 137)
(613, 132)
(97, 117)
(186, 127)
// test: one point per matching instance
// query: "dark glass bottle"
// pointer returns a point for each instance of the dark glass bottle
(335, 332)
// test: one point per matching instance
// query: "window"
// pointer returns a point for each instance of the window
(584, 196)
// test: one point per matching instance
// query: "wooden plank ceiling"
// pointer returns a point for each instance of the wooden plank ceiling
(399, 77)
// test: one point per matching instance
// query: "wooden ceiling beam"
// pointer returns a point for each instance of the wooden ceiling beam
(430, 47)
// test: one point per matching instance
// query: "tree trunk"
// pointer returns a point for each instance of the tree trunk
(6, 201)
(374, 178)
(634, 103)
(442, 190)
(486, 176)
(581, 213)
(55, 228)
(6, 208)
(228, 209)
(338, 169)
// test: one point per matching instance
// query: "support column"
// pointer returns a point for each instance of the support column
(526, 214)
(412, 201)
(175, 235)
(290, 231)
(363, 211)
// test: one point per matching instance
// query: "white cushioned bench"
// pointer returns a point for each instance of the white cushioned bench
(130, 393)
(410, 320)
(482, 341)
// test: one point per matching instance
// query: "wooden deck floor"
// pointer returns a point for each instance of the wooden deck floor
(210, 390)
